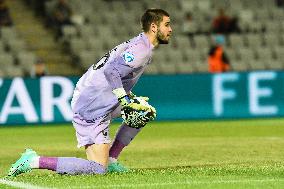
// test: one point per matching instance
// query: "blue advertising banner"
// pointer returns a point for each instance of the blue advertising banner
(197, 96)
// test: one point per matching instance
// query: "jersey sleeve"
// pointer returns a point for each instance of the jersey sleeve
(136, 55)
(124, 64)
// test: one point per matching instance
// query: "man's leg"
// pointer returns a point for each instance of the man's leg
(62, 165)
(123, 137)
(93, 136)
(98, 153)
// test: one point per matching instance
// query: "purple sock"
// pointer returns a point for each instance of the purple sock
(75, 166)
(123, 137)
(115, 149)
(49, 163)
(71, 165)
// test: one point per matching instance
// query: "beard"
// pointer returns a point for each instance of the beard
(162, 38)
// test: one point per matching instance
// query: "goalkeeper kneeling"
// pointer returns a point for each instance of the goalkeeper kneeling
(102, 94)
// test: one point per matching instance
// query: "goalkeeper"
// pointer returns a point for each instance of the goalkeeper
(104, 93)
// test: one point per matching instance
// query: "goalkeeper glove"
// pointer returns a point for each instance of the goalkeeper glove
(144, 100)
(135, 112)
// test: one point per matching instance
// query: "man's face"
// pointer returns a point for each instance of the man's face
(164, 31)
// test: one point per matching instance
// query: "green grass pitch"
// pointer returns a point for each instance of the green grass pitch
(194, 154)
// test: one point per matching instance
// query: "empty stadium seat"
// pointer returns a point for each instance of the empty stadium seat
(201, 41)
(8, 33)
(76, 45)
(254, 40)
(236, 41)
(26, 60)
(87, 58)
(239, 65)
(16, 45)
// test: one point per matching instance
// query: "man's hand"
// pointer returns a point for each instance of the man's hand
(144, 101)
(136, 112)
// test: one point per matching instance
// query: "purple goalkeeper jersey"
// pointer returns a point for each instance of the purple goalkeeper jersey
(120, 67)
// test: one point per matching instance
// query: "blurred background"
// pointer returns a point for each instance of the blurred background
(70, 35)
(65, 37)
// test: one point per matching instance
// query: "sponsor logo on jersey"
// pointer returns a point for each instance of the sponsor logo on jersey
(128, 57)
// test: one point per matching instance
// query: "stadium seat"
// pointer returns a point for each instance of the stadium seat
(6, 60)
(2, 47)
(112, 42)
(264, 57)
(256, 27)
(119, 6)
(232, 54)
(105, 31)
(279, 53)
(152, 69)
(186, 67)
(239, 65)
(275, 64)
(167, 67)
(246, 17)
(175, 58)
(236, 41)
(183, 42)
(262, 15)
(86, 31)
(272, 26)
(69, 32)
(271, 40)
(7, 64)
(264, 54)
(16, 45)
(94, 43)
(247, 55)
(201, 41)
(217, 4)
(203, 5)
(26, 60)
(277, 14)
(8, 33)
(159, 56)
(254, 40)
(192, 55)
(87, 58)
(201, 66)
(14, 71)
(188, 5)
(2, 73)
(76, 45)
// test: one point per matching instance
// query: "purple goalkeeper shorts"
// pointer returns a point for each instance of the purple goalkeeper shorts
(93, 131)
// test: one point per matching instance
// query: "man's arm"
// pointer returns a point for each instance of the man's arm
(116, 70)
(133, 57)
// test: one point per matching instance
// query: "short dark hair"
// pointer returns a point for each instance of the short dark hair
(152, 15)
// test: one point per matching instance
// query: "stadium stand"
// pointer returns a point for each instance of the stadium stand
(103, 24)
(258, 19)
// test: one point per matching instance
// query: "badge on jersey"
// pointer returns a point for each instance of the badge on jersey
(128, 57)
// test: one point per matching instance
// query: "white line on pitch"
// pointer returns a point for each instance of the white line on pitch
(21, 185)
(189, 182)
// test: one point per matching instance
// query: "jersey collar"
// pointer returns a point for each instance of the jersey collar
(147, 41)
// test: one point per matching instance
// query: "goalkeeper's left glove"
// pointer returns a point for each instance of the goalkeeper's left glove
(144, 100)
(135, 112)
